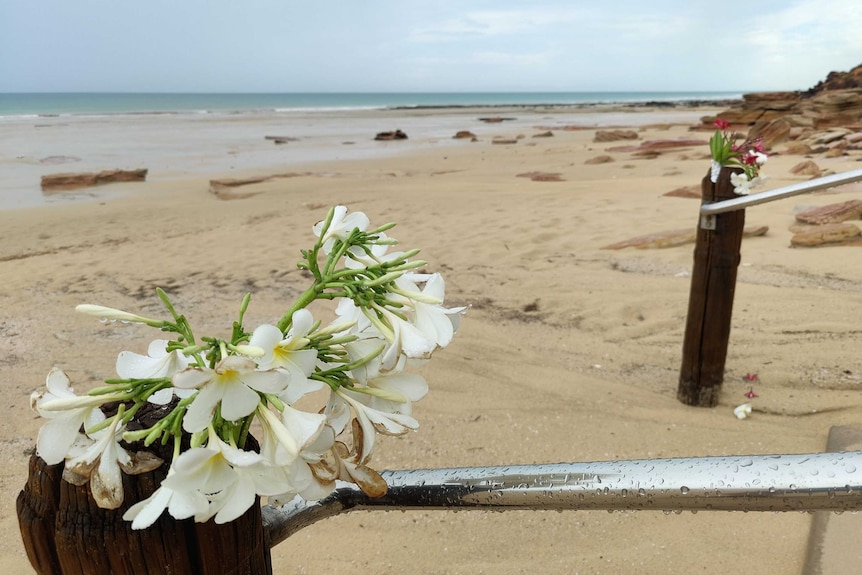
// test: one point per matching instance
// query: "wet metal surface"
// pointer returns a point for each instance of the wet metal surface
(808, 482)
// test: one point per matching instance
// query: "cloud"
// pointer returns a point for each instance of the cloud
(490, 23)
(797, 44)
(808, 28)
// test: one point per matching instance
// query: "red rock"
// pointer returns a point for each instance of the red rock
(838, 81)
(600, 160)
(386, 136)
(69, 181)
(542, 176)
(464, 134)
(806, 168)
(686, 192)
(658, 146)
(674, 238)
(614, 135)
(831, 214)
(771, 132)
(797, 149)
(829, 234)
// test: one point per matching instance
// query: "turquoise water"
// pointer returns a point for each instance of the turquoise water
(12, 104)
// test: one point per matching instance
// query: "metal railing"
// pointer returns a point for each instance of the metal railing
(742, 202)
(808, 482)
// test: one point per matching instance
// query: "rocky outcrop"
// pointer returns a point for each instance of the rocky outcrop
(801, 119)
(542, 176)
(675, 238)
(280, 139)
(654, 148)
(614, 135)
(228, 188)
(693, 192)
(806, 168)
(604, 159)
(831, 214)
(394, 135)
(829, 234)
(464, 135)
(73, 181)
(838, 81)
(771, 132)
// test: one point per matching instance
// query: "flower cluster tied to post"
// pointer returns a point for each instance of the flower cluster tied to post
(748, 155)
(208, 391)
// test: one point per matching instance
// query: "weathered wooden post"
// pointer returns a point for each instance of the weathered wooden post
(66, 533)
(713, 282)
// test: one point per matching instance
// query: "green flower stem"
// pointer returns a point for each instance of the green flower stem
(331, 382)
(273, 400)
(244, 428)
(306, 298)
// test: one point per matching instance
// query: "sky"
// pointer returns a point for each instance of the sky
(429, 46)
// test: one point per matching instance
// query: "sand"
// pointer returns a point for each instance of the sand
(569, 352)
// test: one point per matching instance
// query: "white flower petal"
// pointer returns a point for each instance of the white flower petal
(144, 513)
(266, 381)
(303, 426)
(55, 438)
(58, 383)
(238, 401)
(192, 378)
(200, 412)
(301, 323)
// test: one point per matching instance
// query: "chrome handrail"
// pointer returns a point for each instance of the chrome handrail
(807, 482)
(710, 209)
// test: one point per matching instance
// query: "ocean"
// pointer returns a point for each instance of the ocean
(83, 104)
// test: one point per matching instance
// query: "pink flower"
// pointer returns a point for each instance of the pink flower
(750, 377)
(750, 393)
(721, 124)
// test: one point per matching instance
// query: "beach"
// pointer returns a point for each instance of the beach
(568, 351)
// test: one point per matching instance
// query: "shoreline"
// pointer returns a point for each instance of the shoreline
(177, 146)
(47, 105)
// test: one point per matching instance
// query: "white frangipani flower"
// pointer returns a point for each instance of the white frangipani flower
(742, 411)
(431, 318)
(388, 391)
(66, 413)
(157, 363)
(234, 382)
(742, 185)
(97, 457)
(341, 226)
(182, 502)
(285, 436)
(253, 476)
(376, 254)
(373, 420)
(100, 462)
(286, 353)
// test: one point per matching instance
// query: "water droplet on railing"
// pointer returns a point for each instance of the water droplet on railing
(684, 490)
